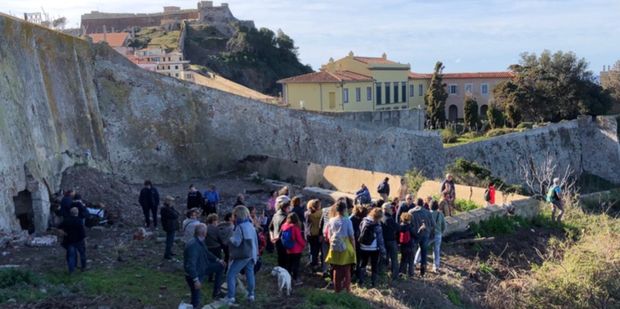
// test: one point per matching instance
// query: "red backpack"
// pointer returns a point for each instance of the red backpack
(404, 237)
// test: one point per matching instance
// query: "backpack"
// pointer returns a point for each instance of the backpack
(287, 239)
(381, 188)
(336, 242)
(367, 234)
(404, 237)
(487, 195)
(551, 194)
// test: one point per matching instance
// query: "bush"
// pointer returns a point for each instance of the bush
(498, 226)
(465, 205)
(500, 131)
(448, 136)
(525, 125)
(470, 135)
(495, 117)
(12, 276)
(414, 179)
(471, 114)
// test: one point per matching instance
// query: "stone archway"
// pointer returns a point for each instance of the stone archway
(483, 111)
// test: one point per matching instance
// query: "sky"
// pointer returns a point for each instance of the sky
(466, 35)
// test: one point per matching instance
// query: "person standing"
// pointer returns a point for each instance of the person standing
(440, 227)
(390, 234)
(489, 194)
(405, 206)
(423, 225)
(243, 253)
(195, 199)
(212, 199)
(198, 263)
(406, 241)
(404, 189)
(224, 232)
(384, 189)
(213, 241)
(282, 204)
(81, 207)
(65, 203)
(448, 192)
(298, 243)
(338, 233)
(313, 230)
(358, 214)
(299, 210)
(372, 246)
(149, 200)
(74, 234)
(554, 197)
(170, 224)
(362, 196)
(189, 224)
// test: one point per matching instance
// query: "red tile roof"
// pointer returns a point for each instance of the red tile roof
(114, 39)
(503, 74)
(327, 77)
(374, 60)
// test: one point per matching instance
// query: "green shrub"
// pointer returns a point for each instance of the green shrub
(470, 135)
(471, 114)
(495, 117)
(414, 179)
(465, 205)
(454, 297)
(525, 125)
(316, 298)
(14, 276)
(498, 226)
(448, 136)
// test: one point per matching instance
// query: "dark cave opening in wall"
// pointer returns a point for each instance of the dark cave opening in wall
(24, 210)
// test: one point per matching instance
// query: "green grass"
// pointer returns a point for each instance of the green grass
(465, 140)
(486, 268)
(454, 297)
(496, 225)
(465, 205)
(21, 285)
(315, 298)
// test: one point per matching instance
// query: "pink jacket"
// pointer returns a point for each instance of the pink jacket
(300, 242)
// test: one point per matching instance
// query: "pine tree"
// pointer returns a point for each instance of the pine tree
(435, 98)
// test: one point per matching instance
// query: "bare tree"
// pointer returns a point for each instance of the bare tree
(538, 176)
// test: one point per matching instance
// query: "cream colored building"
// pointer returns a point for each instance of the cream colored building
(157, 59)
(477, 85)
(352, 84)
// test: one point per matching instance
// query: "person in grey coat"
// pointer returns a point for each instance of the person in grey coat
(423, 225)
(243, 246)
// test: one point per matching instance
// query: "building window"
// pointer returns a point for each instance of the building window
(358, 94)
(403, 87)
(345, 95)
(469, 88)
(176, 74)
(387, 93)
(395, 92)
(378, 94)
(368, 93)
(484, 88)
(420, 90)
(452, 89)
(176, 67)
(411, 88)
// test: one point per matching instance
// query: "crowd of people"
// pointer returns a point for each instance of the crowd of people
(344, 241)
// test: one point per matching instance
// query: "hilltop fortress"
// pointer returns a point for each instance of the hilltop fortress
(98, 22)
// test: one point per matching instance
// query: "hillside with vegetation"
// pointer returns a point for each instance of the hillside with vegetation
(256, 58)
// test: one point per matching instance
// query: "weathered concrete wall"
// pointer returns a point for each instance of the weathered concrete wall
(412, 119)
(61, 98)
(600, 147)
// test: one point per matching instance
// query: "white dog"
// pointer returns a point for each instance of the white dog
(284, 279)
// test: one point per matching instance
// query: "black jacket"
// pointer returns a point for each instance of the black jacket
(404, 207)
(356, 222)
(197, 259)
(384, 187)
(169, 218)
(82, 211)
(149, 198)
(276, 224)
(74, 228)
(390, 228)
(195, 200)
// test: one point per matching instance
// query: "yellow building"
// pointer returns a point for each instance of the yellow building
(355, 84)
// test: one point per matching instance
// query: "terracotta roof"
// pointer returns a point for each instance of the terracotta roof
(327, 77)
(420, 75)
(503, 74)
(374, 60)
(114, 39)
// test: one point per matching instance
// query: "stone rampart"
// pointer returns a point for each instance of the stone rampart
(412, 119)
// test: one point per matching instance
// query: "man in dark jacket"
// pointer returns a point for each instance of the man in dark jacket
(81, 207)
(423, 225)
(282, 204)
(65, 203)
(362, 196)
(405, 206)
(149, 200)
(73, 241)
(390, 232)
(198, 263)
(384, 189)
(170, 224)
(195, 199)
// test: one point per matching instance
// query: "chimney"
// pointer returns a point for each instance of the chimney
(384, 56)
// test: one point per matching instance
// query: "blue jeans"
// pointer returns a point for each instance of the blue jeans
(391, 248)
(420, 255)
(169, 243)
(72, 252)
(436, 252)
(231, 278)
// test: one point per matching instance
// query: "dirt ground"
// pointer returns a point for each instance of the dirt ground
(467, 270)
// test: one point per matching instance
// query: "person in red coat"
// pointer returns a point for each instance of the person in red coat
(491, 194)
(292, 227)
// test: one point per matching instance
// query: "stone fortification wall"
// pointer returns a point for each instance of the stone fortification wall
(97, 22)
(63, 101)
(412, 119)
(586, 145)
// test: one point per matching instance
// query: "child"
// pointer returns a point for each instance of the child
(406, 245)
(291, 233)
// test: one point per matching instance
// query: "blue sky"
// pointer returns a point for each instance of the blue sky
(465, 35)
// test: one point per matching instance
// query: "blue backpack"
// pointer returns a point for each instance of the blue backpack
(287, 239)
